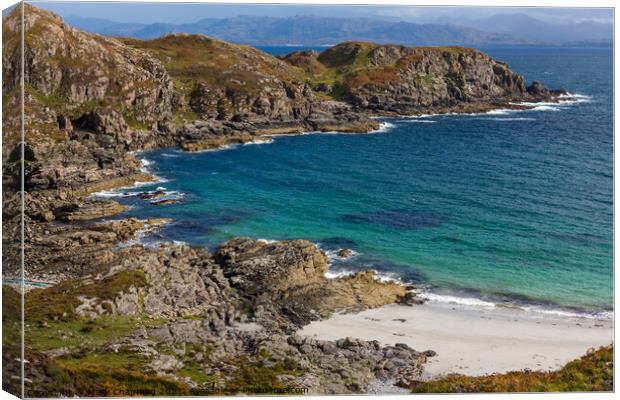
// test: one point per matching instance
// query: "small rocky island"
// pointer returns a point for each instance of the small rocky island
(113, 318)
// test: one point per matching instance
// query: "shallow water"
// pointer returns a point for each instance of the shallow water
(505, 206)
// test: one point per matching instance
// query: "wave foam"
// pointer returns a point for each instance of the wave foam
(141, 235)
(120, 191)
(338, 274)
(258, 142)
(332, 255)
(566, 99)
(419, 121)
(511, 119)
(384, 127)
(472, 302)
(145, 165)
(167, 195)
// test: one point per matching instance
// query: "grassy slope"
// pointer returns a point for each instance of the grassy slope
(592, 372)
(230, 68)
(346, 66)
(190, 58)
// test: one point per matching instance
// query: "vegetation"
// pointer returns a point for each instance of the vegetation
(350, 66)
(220, 65)
(11, 315)
(83, 333)
(59, 301)
(592, 372)
(105, 374)
(253, 375)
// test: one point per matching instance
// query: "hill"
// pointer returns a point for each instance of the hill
(105, 96)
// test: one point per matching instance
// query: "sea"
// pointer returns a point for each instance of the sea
(501, 209)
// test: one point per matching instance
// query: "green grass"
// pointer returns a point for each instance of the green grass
(11, 315)
(84, 333)
(107, 361)
(196, 58)
(592, 372)
(181, 116)
(134, 122)
(196, 373)
(58, 302)
(261, 373)
(116, 374)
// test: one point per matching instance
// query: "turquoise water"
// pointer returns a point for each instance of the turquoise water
(505, 206)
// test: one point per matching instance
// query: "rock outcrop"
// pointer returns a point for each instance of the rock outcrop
(71, 68)
(223, 81)
(226, 312)
(283, 284)
(409, 80)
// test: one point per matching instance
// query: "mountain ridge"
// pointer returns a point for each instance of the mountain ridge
(311, 30)
(315, 31)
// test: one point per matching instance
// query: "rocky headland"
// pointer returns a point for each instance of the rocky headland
(118, 315)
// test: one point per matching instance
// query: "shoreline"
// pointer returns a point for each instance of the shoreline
(498, 341)
(555, 341)
(534, 308)
(122, 294)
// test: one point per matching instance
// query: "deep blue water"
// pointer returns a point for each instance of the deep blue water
(506, 205)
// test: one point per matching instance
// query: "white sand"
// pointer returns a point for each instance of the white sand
(472, 341)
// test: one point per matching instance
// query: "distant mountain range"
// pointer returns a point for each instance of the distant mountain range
(528, 28)
(314, 30)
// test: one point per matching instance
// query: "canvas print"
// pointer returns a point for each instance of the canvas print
(241, 199)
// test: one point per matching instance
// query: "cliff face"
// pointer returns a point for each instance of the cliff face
(225, 81)
(75, 82)
(409, 79)
(69, 68)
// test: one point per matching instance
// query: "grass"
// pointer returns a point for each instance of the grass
(116, 374)
(181, 116)
(82, 333)
(11, 315)
(59, 301)
(87, 371)
(134, 122)
(106, 361)
(197, 58)
(259, 375)
(591, 373)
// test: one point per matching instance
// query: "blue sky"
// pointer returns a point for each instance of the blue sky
(183, 13)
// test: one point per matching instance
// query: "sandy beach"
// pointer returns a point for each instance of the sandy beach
(472, 341)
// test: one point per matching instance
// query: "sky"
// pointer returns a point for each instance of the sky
(176, 13)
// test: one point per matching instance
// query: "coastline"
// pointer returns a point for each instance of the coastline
(521, 342)
(471, 341)
(470, 336)
(384, 126)
(117, 303)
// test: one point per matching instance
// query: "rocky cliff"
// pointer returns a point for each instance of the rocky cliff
(408, 80)
(226, 81)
